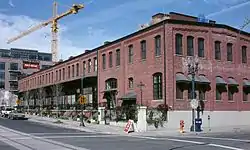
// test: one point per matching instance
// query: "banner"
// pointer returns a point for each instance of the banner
(31, 65)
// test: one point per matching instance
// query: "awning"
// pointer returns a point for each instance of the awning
(232, 82)
(204, 80)
(220, 81)
(181, 78)
(246, 83)
(196, 79)
(129, 96)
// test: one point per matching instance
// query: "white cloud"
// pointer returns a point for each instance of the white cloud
(11, 26)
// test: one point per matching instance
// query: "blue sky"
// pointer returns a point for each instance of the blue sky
(103, 20)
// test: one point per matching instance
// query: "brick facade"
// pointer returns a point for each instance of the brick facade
(143, 70)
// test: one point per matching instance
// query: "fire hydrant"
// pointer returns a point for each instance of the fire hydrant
(182, 126)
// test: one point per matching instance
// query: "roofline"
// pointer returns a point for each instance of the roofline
(170, 21)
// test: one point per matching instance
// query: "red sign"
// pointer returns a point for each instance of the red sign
(128, 126)
(31, 66)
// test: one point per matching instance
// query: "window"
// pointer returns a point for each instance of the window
(229, 52)
(246, 91)
(158, 45)
(110, 60)
(56, 75)
(68, 72)
(95, 64)
(63, 73)
(143, 49)
(77, 69)
(84, 67)
(218, 93)
(103, 61)
(13, 66)
(217, 54)
(118, 59)
(49, 77)
(190, 46)
(179, 91)
(2, 65)
(244, 54)
(2, 76)
(89, 65)
(230, 93)
(73, 70)
(157, 86)
(60, 74)
(178, 44)
(130, 83)
(2, 84)
(200, 47)
(111, 84)
(130, 53)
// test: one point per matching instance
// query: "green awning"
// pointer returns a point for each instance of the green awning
(246, 83)
(220, 81)
(204, 80)
(232, 82)
(196, 79)
(181, 78)
(129, 96)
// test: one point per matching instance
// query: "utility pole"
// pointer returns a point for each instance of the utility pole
(141, 85)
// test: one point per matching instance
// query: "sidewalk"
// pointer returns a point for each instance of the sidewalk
(109, 129)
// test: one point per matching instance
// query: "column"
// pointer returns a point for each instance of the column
(142, 119)
(101, 115)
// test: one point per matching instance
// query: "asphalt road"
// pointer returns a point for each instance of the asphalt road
(38, 136)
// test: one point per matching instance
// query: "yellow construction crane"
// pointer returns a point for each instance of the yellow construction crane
(73, 10)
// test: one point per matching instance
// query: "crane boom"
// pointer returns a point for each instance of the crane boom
(29, 31)
(73, 10)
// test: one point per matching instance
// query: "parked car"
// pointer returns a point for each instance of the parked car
(16, 114)
(6, 111)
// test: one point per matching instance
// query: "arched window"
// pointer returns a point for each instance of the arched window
(111, 84)
(130, 83)
(157, 86)
(190, 46)
(178, 44)
(158, 45)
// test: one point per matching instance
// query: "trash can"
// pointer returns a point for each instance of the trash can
(198, 123)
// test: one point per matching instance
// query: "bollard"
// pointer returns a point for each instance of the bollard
(182, 126)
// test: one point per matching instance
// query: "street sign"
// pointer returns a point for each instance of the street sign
(194, 103)
(18, 102)
(82, 100)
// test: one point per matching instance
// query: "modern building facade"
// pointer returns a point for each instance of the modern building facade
(156, 56)
(15, 63)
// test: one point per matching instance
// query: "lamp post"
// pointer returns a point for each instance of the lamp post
(193, 69)
(141, 85)
(81, 90)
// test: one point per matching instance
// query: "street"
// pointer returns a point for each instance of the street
(27, 135)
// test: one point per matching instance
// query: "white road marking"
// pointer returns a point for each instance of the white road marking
(215, 138)
(186, 141)
(226, 147)
(70, 136)
(61, 133)
(34, 142)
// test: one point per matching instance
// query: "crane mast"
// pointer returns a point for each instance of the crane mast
(54, 30)
(54, 21)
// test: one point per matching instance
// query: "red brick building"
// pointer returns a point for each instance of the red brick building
(156, 55)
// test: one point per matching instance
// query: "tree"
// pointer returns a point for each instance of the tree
(56, 93)
(41, 97)
(26, 98)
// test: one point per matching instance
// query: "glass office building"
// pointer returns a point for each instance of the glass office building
(15, 63)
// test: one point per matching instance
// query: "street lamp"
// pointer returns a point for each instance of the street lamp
(141, 85)
(81, 90)
(193, 69)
